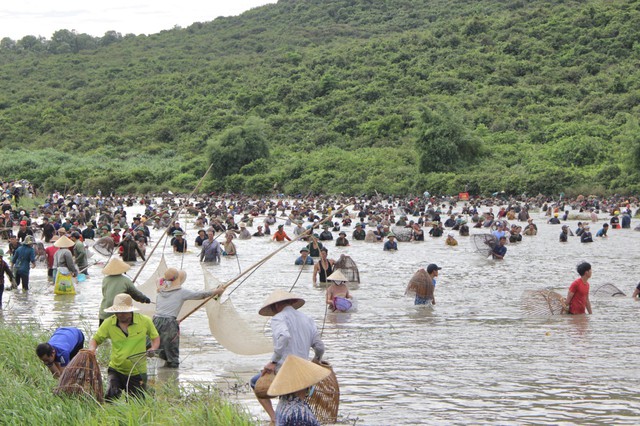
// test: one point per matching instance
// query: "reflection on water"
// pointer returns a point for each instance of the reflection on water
(474, 358)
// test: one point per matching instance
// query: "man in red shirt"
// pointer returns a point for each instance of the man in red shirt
(280, 235)
(578, 296)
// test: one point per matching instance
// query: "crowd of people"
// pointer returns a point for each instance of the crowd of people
(67, 223)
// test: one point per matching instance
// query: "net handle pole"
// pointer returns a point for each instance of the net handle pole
(263, 260)
(173, 219)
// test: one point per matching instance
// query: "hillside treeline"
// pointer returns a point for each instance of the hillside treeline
(352, 96)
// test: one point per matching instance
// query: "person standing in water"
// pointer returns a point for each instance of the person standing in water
(323, 268)
(578, 296)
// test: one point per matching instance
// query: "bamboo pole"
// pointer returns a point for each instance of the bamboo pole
(269, 256)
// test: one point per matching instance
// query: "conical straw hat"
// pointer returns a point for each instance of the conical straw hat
(279, 295)
(337, 276)
(296, 374)
(64, 242)
(116, 267)
(122, 303)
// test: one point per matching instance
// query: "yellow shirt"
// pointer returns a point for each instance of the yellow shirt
(123, 346)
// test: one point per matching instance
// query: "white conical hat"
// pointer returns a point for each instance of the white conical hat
(116, 267)
(296, 374)
(64, 242)
(337, 276)
(279, 295)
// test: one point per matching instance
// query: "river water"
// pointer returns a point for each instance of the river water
(476, 358)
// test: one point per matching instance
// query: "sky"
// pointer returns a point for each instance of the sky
(19, 18)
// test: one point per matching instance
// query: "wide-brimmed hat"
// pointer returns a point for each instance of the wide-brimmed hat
(337, 276)
(116, 267)
(304, 249)
(242, 225)
(296, 374)
(391, 235)
(343, 233)
(122, 303)
(177, 233)
(28, 240)
(64, 242)
(173, 279)
(279, 295)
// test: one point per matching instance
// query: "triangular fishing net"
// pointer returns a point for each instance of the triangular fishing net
(421, 285)
(149, 288)
(240, 334)
(348, 267)
(484, 243)
(402, 234)
(104, 246)
(608, 290)
(543, 302)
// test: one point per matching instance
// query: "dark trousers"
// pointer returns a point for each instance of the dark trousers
(169, 331)
(118, 383)
(24, 278)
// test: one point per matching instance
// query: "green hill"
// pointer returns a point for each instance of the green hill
(336, 96)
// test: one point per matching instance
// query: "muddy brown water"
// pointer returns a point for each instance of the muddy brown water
(475, 358)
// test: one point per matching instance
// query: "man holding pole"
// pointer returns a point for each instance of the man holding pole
(293, 333)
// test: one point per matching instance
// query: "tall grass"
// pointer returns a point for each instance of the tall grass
(27, 399)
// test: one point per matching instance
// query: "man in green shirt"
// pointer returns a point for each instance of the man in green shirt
(128, 332)
(116, 282)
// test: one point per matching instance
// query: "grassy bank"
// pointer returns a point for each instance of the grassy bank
(27, 398)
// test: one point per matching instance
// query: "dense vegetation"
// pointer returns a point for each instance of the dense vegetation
(350, 96)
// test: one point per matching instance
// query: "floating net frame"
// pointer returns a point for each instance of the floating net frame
(484, 243)
(421, 285)
(543, 302)
(402, 234)
(82, 377)
(348, 267)
(104, 246)
(325, 400)
(608, 290)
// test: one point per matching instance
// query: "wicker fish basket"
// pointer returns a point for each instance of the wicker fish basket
(82, 377)
(325, 400)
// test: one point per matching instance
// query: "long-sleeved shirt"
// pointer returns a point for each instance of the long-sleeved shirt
(116, 284)
(294, 333)
(169, 303)
(64, 258)
(211, 251)
(22, 258)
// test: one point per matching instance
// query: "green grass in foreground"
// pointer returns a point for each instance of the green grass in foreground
(27, 398)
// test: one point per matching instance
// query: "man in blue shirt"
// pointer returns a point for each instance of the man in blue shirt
(22, 261)
(64, 344)
(500, 250)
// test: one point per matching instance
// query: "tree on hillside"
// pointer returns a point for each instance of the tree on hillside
(444, 142)
(238, 146)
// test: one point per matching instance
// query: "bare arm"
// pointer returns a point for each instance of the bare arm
(93, 345)
(589, 305)
(569, 298)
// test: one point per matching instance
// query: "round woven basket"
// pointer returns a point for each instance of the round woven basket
(262, 385)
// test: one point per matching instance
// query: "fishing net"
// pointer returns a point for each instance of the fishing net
(325, 400)
(237, 333)
(104, 246)
(82, 377)
(543, 303)
(402, 234)
(421, 285)
(348, 267)
(484, 243)
(607, 290)
(41, 255)
(149, 288)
